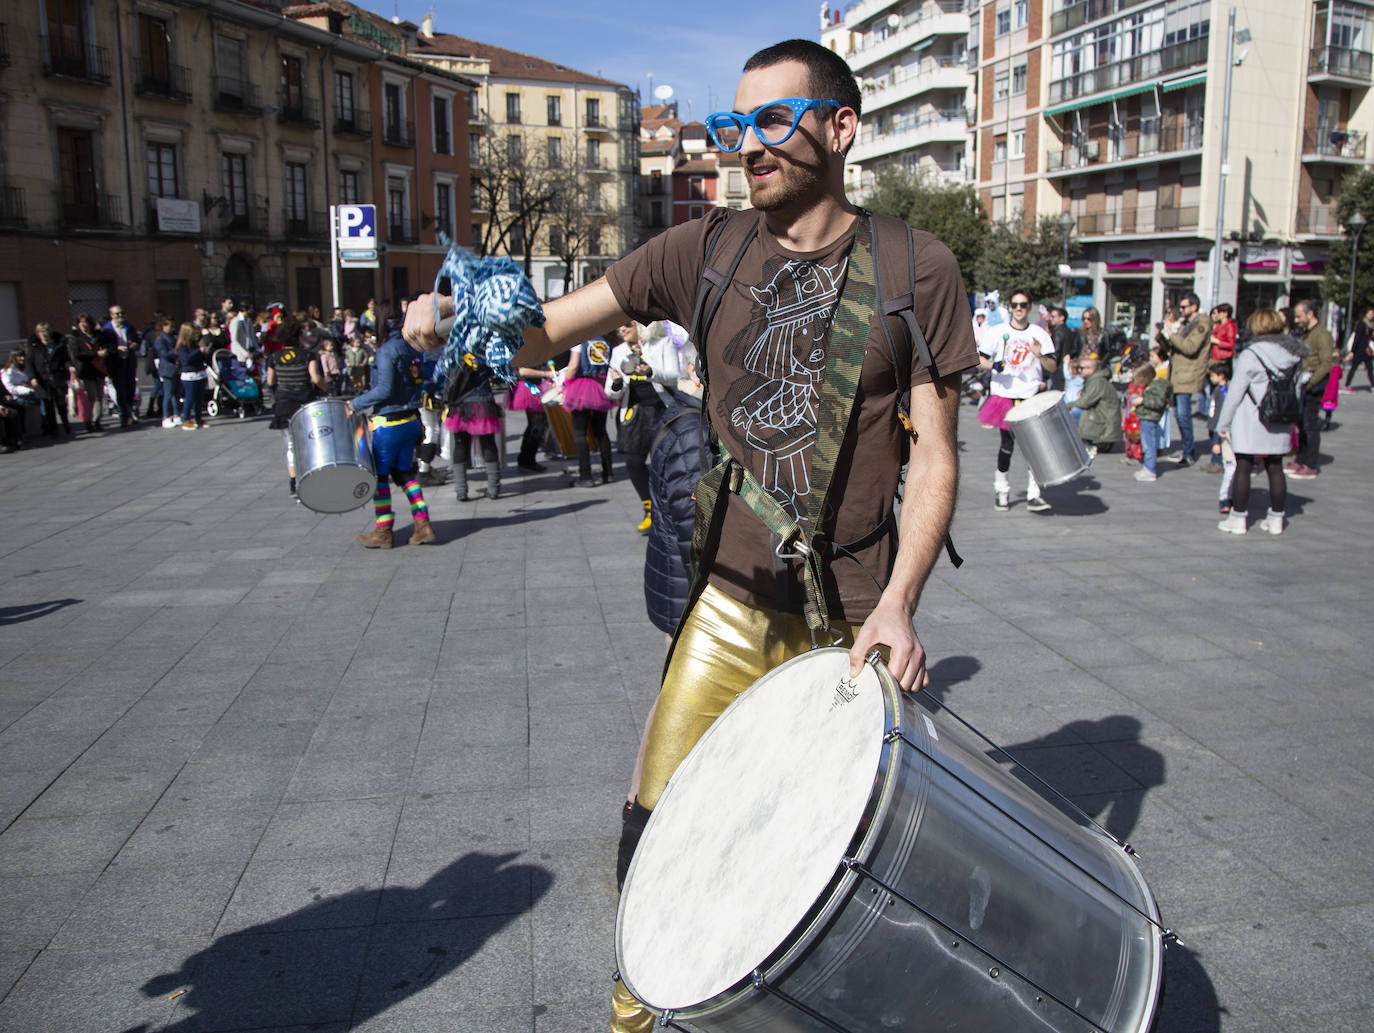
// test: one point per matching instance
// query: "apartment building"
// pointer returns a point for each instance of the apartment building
(1111, 111)
(163, 153)
(682, 175)
(547, 115)
(911, 60)
(417, 169)
(659, 153)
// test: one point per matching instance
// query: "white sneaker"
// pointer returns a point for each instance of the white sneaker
(1144, 475)
(1233, 523)
(1001, 500)
(169, 423)
(1273, 523)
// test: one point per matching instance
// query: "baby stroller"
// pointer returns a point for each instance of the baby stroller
(232, 387)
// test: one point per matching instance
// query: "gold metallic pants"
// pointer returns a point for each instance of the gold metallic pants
(724, 648)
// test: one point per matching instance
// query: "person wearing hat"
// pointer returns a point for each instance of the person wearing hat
(1100, 423)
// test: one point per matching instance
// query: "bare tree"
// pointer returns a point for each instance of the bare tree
(514, 182)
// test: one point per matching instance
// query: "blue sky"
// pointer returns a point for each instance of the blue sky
(627, 41)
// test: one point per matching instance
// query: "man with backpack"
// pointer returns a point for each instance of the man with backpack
(815, 323)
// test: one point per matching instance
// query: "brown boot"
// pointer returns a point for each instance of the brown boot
(423, 532)
(380, 538)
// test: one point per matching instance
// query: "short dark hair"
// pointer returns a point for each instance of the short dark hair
(1192, 299)
(1060, 310)
(1020, 290)
(829, 77)
(1307, 305)
(1226, 308)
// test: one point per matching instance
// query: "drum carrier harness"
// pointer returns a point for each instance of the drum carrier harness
(862, 301)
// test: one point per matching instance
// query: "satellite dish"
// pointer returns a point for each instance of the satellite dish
(894, 20)
(663, 91)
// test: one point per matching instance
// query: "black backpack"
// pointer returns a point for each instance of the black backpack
(1280, 403)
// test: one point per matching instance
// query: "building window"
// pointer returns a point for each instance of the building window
(477, 243)
(233, 175)
(344, 98)
(296, 202)
(593, 111)
(1004, 21)
(443, 136)
(1018, 143)
(734, 182)
(474, 150)
(76, 166)
(655, 182)
(593, 242)
(232, 87)
(556, 240)
(292, 85)
(1020, 13)
(443, 209)
(1018, 79)
(517, 239)
(594, 154)
(394, 105)
(696, 188)
(162, 170)
(555, 145)
(474, 111)
(655, 213)
(515, 149)
(1000, 85)
(512, 107)
(396, 210)
(155, 50)
(514, 195)
(999, 149)
(348, 186)
(695, 211)
(555, 105)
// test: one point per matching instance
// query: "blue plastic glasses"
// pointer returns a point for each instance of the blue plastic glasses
(773, 123)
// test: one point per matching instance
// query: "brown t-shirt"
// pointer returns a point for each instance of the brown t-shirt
(766, 357)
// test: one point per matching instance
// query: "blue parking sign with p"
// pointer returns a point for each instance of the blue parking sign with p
(357, 224)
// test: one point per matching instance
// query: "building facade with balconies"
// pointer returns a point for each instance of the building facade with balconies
(164, 155)
(660, 150)
(1121, 128)
(911, 60)
(554, 119)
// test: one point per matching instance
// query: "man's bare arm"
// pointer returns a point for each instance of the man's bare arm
(587, 312)
(931, 482)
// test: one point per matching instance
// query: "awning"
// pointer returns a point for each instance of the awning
(1100, 98)
(1179, 84)
(917, 47)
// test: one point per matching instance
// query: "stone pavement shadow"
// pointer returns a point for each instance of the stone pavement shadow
(948, 672)
(1073, 498)
(348, 957)
(452, 530)
(33, 611)
(1188, 1001)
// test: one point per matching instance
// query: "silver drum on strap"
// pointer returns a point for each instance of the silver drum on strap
(836, 856)
(1049, 438)
(334, 471)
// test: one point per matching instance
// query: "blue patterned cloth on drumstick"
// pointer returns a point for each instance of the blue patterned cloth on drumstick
(493, 302)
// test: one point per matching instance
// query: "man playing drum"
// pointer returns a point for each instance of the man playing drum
(797, 537)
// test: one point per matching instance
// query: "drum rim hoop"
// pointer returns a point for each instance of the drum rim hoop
(839, 888)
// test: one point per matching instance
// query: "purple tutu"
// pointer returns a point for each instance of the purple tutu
(993, 412)
(587, 393)
(524, 396)
(474, 418)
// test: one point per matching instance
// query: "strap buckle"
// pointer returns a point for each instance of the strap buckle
(792, 550)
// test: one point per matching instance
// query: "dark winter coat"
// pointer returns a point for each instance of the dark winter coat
(1101, 419)
(675, 467)
(165, 350)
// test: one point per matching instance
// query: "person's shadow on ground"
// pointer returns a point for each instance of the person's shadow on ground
(350, 956)
(33, 611)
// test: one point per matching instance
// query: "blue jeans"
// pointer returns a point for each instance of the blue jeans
(1149, 443)
(1183, 409)
(169, 397)
(190, 400)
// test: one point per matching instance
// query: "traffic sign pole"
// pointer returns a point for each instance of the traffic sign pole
(334, 252)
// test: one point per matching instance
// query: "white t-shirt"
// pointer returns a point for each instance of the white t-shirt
(1021, 374)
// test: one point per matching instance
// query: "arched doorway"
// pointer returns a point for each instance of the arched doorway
(238, 280)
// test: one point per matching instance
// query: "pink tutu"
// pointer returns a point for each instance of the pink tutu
(993, 412)
(476, 418)
(524, 396)
(587, 393)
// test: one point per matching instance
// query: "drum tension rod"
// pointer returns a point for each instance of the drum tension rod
(761, 984)
(998, 967)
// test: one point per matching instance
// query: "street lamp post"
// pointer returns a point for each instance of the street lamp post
(1356, 226)
(1066, 222)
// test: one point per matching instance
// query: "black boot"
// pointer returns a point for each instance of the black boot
(633, 817)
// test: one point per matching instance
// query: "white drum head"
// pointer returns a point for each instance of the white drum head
(336, 489)
(1034, 406)
(750, 830)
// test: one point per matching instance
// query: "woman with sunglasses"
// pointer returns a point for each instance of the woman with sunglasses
(1020, 356)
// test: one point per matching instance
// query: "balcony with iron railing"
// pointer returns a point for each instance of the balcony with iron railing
(856, 14)
(1137, 138)
(1340, 63)
(307, 225)
(934, 73)
(929, 21)
(353, 123)
(12, 212)
(85, 63)
(1318, 219)
(1138, 69)
(297, 109)
(236, 96)
(398, 134)
(1074, 15)
(1138, 221)
(909, 131)
(399, 230)
(251, 221)
(159, 79)
(1327, 143)
(94, 211)
(596, 124)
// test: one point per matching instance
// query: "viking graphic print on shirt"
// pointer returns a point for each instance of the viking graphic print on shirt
(772, 410)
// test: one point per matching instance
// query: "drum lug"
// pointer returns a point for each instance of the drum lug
(1171, 939)
(893, 734)
(873, 658)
